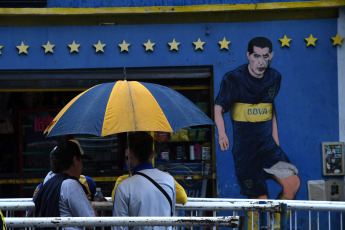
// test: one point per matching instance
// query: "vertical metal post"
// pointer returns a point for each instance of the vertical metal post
(309, 220)
(341, 220)
(261, 217)
(291, 213)
(214, 215)
(283, 216)
(234, 213)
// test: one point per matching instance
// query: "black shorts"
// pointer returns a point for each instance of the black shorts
(252, 177)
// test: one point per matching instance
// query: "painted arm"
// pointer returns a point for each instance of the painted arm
(219, 119)
(275, 127)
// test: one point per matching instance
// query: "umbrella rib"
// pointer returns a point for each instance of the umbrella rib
(130, 93)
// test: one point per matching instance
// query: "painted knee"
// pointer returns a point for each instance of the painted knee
(296, 184)
(291, 186)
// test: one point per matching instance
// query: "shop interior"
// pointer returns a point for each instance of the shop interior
(32, 99)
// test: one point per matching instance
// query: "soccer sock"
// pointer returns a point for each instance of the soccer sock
(277, 215)
(253, 220)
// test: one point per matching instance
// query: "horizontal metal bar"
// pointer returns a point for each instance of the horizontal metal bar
(17, 206)
(316, 207)
(225, 221)
(193, 199)
(229, 205)
(221, 206)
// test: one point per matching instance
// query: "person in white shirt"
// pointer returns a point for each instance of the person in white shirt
(138, 195)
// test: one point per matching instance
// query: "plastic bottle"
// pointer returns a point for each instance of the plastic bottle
(98, 194)
(191, 152)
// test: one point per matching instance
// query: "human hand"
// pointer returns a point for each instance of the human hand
(223, 141)
(94, 209)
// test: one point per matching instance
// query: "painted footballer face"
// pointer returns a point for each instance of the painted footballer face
(259, 60)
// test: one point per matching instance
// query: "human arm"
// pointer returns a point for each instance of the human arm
(120, 206)
(181, 196)
(275, 127)
(73, 200)
(121, 178)
(223, 139)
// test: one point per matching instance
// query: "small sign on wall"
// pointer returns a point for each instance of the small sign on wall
(333, 158)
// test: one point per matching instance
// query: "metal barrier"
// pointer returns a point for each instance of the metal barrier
(310, 212)
(226, 221)
(267, 209)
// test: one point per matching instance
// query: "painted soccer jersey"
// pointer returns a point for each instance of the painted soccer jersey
(251, 103)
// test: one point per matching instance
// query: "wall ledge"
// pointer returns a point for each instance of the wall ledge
(174, 9)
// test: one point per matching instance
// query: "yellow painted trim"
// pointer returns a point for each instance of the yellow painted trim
(105, 179)
(244, 112)
(171, 9)
(39, 180)
(101, 179)
(21, 181)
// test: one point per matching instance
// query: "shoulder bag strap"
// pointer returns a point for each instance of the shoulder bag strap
(160, 188)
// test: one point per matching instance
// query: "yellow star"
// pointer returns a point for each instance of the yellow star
(74, 47)
(0, 49)
(224, 44)
(285, 41)
(337, 40)
(198, 44)
(48, 47)
(311, 40)
(174, 45)
(23, 48)
(124, 46)
(99, 46)
(148, 45)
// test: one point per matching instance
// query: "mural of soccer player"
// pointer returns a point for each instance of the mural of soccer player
(249, 92)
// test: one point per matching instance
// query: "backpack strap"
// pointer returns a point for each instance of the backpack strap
(160, 188)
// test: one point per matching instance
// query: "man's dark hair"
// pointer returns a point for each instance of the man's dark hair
(141, 145)
(260, 42)
(61, 157)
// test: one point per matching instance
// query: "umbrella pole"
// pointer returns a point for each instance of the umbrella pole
(128, 159)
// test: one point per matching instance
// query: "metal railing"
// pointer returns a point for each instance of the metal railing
(226, 221)
(267, 209)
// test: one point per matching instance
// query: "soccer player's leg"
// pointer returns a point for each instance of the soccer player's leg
(290, 186)
(252, 181)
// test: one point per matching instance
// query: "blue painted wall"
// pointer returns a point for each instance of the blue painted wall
(141, 3)
(307, 105)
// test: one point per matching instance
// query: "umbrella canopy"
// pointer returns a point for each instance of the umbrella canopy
(125, 106)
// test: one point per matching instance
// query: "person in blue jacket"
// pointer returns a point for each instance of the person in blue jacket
(62, 195)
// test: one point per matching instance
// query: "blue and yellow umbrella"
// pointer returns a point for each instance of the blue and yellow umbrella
(126, 106)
